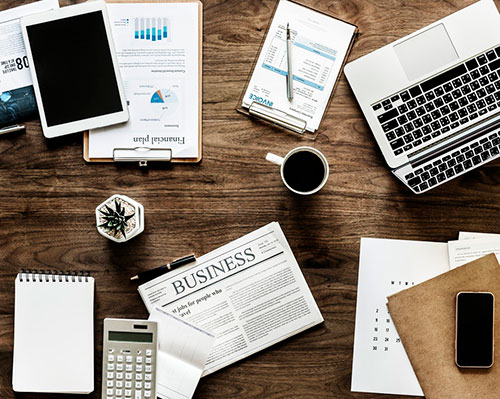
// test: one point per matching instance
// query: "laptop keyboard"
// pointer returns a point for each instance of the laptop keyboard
(441, 104)
(450, 165)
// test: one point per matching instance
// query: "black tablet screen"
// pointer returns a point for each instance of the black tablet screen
(74, 68)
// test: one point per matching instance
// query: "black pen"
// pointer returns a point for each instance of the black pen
(153, 273)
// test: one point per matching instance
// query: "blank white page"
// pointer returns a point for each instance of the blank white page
(53, 334)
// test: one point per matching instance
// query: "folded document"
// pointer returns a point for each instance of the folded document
(183, 350)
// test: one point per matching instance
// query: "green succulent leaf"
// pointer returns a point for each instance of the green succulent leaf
(104, 212)
(115, 220)
(118, 206)
(111, 211)
(127, 218)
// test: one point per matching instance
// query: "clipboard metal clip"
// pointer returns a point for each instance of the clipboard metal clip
(142, 155)
(277, 117)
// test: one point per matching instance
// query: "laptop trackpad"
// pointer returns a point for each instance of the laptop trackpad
(426, 52)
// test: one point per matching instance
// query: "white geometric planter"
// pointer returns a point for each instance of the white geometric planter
(135, 225)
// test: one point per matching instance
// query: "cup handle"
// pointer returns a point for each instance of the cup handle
(275, 159)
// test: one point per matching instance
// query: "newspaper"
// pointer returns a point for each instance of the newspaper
(249, 293)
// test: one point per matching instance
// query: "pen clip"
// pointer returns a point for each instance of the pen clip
(184, 261)
(10, 129)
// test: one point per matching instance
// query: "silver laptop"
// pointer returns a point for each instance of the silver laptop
(432, 99)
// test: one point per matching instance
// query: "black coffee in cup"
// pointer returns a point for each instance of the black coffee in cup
(304, 171)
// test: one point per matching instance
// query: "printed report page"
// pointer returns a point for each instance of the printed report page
(467, 250)
(157, 49)
(320, 44)
(249, 293)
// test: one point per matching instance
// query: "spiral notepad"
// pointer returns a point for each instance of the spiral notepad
(53, 332)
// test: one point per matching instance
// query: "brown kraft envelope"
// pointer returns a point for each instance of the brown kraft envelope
(424, 316)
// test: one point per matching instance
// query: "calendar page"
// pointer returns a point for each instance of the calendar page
(380, 363)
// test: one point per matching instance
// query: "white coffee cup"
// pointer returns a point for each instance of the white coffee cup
(281, 161)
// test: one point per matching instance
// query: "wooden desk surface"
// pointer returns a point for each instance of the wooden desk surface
(49, 194)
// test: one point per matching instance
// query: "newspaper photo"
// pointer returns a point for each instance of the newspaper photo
(249, 293)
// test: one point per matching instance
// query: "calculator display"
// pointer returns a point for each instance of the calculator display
(130, 336)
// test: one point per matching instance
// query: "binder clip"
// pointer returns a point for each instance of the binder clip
(142, 155)
(277, 117)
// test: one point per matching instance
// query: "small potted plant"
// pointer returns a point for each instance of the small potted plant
(120, 218)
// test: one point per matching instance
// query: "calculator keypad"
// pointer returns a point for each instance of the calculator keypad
(129, 376)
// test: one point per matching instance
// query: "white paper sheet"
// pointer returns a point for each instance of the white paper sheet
(465, 235)
(380, 363)
(53, 334)
(467, 250)
(183, 350)
(14, 67)
(157, 50)
(320, 44)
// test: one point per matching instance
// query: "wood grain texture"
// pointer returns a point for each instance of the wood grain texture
(48, 197)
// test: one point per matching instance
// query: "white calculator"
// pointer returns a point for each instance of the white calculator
(129, 359)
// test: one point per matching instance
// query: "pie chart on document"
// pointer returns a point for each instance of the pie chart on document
(164, 102)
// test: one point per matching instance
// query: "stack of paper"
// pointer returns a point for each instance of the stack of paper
(380, 363)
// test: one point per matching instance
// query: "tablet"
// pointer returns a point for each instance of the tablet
(75, 73)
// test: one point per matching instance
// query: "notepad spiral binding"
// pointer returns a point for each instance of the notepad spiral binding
(32, 275)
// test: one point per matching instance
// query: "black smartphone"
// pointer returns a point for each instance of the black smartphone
(474, 329)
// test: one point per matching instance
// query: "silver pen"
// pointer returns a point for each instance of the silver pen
(289, 76)
(10, 129)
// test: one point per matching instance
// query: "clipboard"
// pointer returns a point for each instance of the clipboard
(279, 118)
(143, 155)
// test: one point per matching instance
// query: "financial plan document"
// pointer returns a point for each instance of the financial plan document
(157, 46)
(320, 44)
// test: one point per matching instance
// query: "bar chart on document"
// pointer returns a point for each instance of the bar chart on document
(152, 29)
(157, 47)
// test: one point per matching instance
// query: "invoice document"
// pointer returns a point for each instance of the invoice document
(320, 44)
(157, 46)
